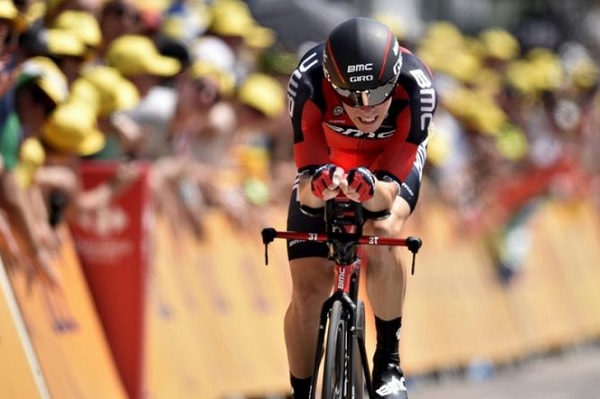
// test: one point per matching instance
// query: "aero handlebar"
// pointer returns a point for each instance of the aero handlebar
(413, 244)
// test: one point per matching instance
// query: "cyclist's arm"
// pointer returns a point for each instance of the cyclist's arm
(382, 200)
(383, 196)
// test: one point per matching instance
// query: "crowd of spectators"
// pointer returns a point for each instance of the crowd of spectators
(196, 90)
(181, 88)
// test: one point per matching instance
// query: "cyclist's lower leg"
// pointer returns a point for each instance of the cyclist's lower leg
(311, 285)
(386, 287)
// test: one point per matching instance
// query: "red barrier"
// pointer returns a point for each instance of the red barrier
(113, 245)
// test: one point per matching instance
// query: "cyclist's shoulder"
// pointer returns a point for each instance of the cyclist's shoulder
(309, 71)
(306, 81)
(414, 69)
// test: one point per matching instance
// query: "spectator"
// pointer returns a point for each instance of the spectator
(82, 24)
(138, 60)
(71, 134)
(40, 88)
(110, 94)
(118, 18)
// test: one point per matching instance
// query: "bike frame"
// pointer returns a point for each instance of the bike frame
(343, 235)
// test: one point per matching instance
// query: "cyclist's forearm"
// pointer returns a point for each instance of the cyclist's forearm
(383, 198)
(306, 196)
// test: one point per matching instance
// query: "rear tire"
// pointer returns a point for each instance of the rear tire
(334, 372)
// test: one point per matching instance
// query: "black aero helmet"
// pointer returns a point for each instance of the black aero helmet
(362, 61)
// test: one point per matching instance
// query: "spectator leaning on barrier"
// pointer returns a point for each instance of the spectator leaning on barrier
(68, 52)
(110, 95)
(199, 137)
(260, 103)
(138, 60)
(41, 87)
(71, 134)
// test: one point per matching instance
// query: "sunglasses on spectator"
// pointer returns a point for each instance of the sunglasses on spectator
(124, 12)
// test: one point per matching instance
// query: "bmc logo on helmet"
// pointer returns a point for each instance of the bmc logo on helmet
(360, 67)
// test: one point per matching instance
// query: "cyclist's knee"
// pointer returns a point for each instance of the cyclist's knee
(311, 281)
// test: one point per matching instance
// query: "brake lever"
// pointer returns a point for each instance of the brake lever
(268, 235)
(413, 244)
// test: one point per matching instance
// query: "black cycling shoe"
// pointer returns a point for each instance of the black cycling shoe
(388, 382)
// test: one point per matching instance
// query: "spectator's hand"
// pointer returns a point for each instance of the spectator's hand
(234, 204)
(359, 184)
(325, 183)
(11, 253)
(60, 178)
(130, 133)
(127, 173)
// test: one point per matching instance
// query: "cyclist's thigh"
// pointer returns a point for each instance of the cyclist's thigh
(311, 278)
(299, 221)
(310, 269)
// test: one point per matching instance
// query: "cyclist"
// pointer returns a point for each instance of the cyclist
(360, 106)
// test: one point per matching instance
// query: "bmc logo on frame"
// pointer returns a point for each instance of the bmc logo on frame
(392, 387)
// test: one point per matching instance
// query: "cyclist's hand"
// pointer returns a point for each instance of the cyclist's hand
(361, 184)
(325, 183)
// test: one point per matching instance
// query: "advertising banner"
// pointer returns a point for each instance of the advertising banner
(113, 245)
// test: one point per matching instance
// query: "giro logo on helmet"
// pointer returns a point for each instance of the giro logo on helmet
(362, 78)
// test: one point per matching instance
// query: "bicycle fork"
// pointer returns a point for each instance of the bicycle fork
(346, 292)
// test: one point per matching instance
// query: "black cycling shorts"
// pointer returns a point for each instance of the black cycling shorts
(299, 221)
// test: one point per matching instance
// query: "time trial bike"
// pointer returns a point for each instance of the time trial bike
(341, 336)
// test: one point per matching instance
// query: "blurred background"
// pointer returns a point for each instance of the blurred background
(144, 144)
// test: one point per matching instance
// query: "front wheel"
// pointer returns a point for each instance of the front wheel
(360, 389)
(334, 372)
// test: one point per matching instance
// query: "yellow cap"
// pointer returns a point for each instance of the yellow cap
(519, 77)
(64, 43)
(259, 37)
(115, 93)
(499, 44)
(584, 74)
(31, 158)
(85, 92)
(394, 22)
(137, 54)
(8, 10)
(47, 76)
(226, 81)
(72, 128)
(231, 18)
(81, 23)
(187, 22)
(547, 70)
(263, 93)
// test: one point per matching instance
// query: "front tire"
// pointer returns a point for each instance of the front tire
(334, 373)
(359, 377)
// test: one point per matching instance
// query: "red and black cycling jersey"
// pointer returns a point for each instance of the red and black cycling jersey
(323, 132)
